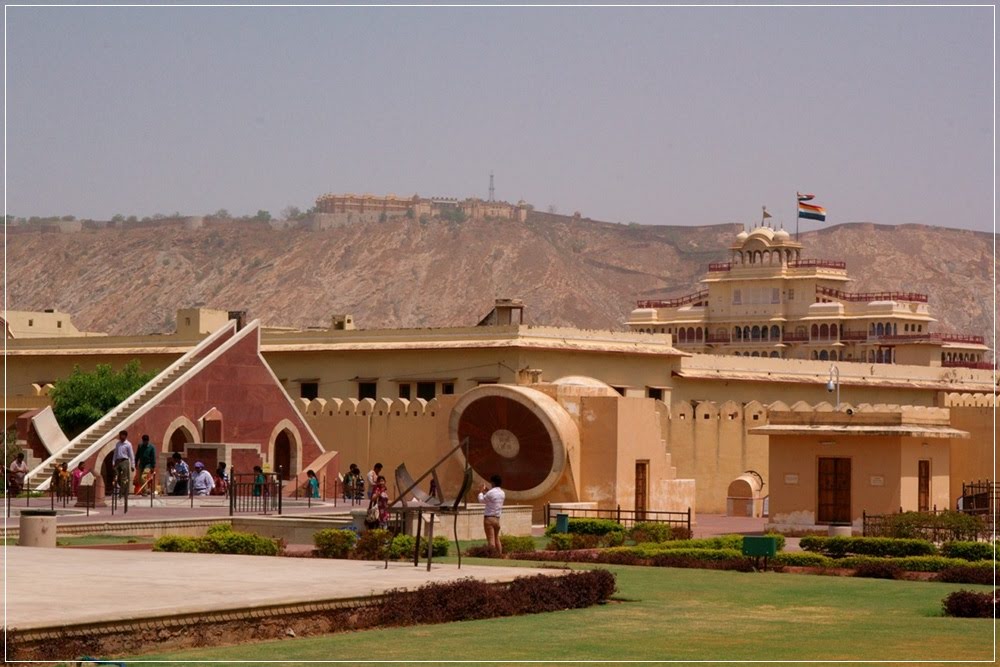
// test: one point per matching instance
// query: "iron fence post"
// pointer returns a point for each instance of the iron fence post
(279, 488)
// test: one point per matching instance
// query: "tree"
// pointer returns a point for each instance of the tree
(118, 218)
(263, 216)
(84, 397)
(222, 214)
(291, 212)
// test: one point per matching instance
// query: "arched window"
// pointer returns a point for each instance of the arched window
(833, 355)
(824, 355)
(872, 332)
(906, 328)
(878, 355)
(824, 331)
(737, 333)
(746, 333)
(775, 332)
(755, 353)
(814, 331)
(833, 331)
(698, 333)
(879, 330)
(690, 334)
(888, 328)
(755, 333)
(763, 332)
(774, 354)
(682, 335)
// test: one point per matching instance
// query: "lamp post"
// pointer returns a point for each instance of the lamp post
(834, 383)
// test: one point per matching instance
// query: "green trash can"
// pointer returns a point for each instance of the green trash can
(562, 523)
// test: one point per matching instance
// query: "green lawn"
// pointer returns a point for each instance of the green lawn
(678, 614)
(91, 540)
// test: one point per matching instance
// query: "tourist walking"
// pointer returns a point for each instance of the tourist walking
(145, 461)
(221, 483)
(492, 497)
(378, 505)
(123, 463)
(312, 484)
(81, 470)
(373, 478)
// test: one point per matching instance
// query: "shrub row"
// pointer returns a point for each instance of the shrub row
(916, 563)
(838, 547)
(589, 527)
(468, 599)
(221, 539)
(374, 544)
(969, 550)
(949, 525)
(568, 541)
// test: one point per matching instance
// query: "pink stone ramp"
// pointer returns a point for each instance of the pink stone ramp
(61, 588)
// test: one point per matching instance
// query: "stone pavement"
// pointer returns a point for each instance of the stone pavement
(54, 588)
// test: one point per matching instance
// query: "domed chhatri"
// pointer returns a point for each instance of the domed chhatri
(768, 301)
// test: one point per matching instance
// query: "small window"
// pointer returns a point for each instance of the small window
(58, 324)
(31, 323)
(404, 391)
(367, 390)
(448, 388)
(654, 392)
(426, 390)
(187, 321)
(737, 297)
(309, 390)
(775, 295)
(791, 295)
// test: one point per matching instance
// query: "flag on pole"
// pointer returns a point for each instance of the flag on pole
(803, 197)
(810, 212)
(765, 215)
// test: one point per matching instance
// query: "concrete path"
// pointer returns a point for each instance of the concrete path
(58, 587)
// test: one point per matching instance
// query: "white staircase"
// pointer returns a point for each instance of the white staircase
(107, 428)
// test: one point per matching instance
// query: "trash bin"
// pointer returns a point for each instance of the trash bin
(37, 528)
(562, 523)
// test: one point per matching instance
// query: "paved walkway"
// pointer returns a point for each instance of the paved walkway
(59, 587)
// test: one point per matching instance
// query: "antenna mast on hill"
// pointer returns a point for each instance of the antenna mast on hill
(491, 187)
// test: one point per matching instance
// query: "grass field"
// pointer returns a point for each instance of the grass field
(678, 614)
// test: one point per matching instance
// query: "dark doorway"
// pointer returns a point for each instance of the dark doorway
(108, 474)
(178, 439)
(641, 489)
(834, 491)
(283, 455)
(923, 485)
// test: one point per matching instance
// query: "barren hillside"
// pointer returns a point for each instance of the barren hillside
(402, 273)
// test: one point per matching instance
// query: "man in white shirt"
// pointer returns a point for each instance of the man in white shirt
(373, 478)
(123, 463)
(492, 497)
(201, 481)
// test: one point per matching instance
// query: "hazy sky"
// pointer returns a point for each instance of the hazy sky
(653, 115)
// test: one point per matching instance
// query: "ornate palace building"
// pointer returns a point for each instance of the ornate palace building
(768, 301)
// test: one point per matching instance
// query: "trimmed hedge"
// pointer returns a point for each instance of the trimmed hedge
(589, 527)
(881, 568)
(722, 542)
(969, 550)
(801, 559)
(334, 542)
(838, 547)
(651, 531)
(911, 564)
(517, 544)
(950, 525)
(221, 539)
(468, 599)
(981, 572)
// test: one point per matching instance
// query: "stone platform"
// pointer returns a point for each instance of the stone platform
(56, 595)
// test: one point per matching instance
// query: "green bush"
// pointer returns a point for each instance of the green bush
(176, 543)
(219, 528)
(234, 542)
(440, 547)
(560, 542)
(589, 527)
(969, 550)
(970, 604)
(801, 559)
(838, 547)
(517, 544)
(651, 531)
(334, 543)
(880, 568)
(779, 539)
(721, 542)
(374, 544)
(948, 525)
(402, 547)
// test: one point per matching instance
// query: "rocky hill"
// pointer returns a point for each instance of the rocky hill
(569, 271)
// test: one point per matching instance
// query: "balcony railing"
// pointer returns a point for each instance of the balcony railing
(717, 338)
(933, 337)
(720, 266)
(872, 296)
(982, 365)
(853, 335)
(674, 303)
(817, 263)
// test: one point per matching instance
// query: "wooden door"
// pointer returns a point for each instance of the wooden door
(834, 491)
(923, 485)
(641, 489)
(283, 455)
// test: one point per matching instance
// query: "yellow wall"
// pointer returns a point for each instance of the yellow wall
(937, 451)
